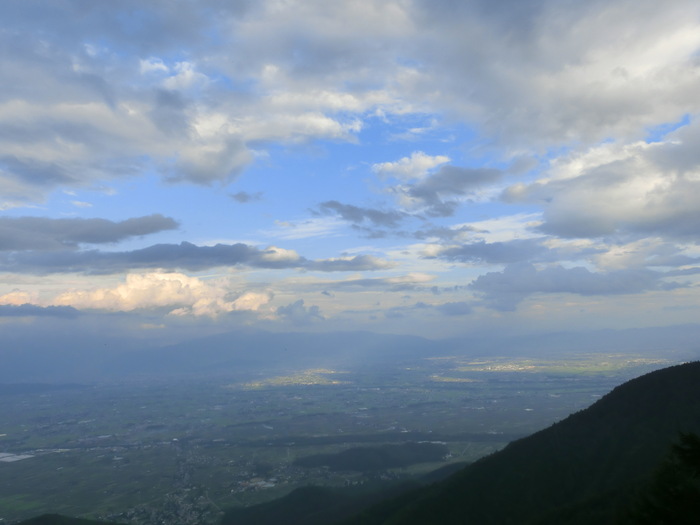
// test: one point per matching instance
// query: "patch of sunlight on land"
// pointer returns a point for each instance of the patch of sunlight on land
(445, 379)
(314, 376)
(589, 364)
(6, 457)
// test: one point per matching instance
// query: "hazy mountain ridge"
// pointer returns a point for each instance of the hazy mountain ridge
(31, 358)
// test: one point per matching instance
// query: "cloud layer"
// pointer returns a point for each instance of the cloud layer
(406, 161)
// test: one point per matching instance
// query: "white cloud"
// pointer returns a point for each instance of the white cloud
(185, 77)
(273, 254)
(177, 293)
(18, 298)
(152, 65)
(504, 228)
(636, 189)
(567, 73)
(414, 167)
(251, 301)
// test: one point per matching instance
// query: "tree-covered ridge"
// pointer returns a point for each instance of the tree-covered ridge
(673, 495)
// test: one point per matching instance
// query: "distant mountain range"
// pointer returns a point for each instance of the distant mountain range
(607, 464)
(69, 357)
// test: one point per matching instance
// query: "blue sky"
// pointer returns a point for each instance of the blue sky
(434, 168)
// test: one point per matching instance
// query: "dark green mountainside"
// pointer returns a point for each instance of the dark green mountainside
(584, 469)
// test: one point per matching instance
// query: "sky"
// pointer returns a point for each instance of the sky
(436, 168)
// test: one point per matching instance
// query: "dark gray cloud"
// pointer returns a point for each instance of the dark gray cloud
(518, 250)
(504, 290)
(169, 112)
(39, 233)
(244, 197)
(438, 192)
(299, 314)
(686, 271)
(455, 308)
(33, 172)
(30, 310)
(185, 255)
(443, 233)
(359, 215)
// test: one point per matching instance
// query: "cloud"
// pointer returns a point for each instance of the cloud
(176, 293)
(358, 215)
(349, 264)
(31, 310)
(636, 189)
(244, 197)
(299, 314)
(414, 167)
(185, 255)
(398, 283)
(440, 194)
(518, 250)
(504, 290)
(38, 233)
(314, 227)
(251, 301)
(648, 252)
(565, 73)
(445, 233)
(455, 308)
(110, 100)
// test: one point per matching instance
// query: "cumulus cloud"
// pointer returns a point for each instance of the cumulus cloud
(39, 233)
(414, 167)
(176, 293)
